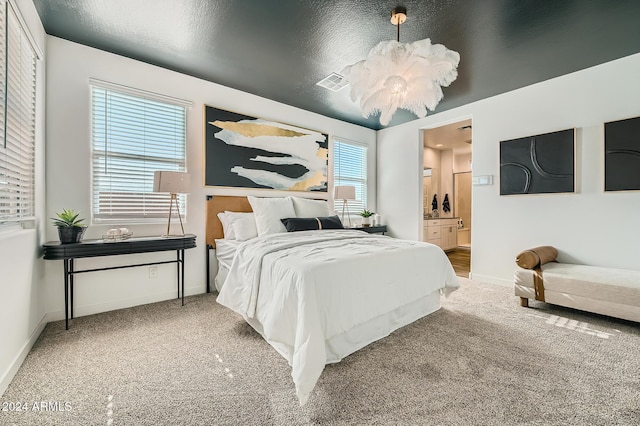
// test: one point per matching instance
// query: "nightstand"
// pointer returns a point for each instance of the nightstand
(378, 229)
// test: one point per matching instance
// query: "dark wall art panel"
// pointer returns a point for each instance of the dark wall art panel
(248, 152)
(538, 164)
(622, 155)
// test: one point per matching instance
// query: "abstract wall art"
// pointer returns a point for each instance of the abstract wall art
(248, 152)
(538, 164)
(622, 155)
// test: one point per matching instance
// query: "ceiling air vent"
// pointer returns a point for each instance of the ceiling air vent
(333, 82)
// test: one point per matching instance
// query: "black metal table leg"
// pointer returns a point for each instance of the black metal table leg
(181, 264)
(178, 271)
(66, 294)
(71, 284)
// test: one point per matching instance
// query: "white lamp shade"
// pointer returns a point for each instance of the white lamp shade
(174, 182)
(345, 193)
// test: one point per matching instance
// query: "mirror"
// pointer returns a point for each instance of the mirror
(431, 183)
(427, 191)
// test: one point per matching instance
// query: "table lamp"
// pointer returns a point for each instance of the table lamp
(345, 193)
(174, 183)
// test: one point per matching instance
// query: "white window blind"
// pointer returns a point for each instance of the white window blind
(17, 119)
(350, 168)
(133, 135)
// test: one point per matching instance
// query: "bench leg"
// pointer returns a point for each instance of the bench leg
(524, 302)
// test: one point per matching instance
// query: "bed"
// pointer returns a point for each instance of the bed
(318, 295)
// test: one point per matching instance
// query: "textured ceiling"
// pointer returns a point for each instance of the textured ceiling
(280, 50)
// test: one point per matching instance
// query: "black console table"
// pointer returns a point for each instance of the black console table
(373, 229)
(94, 248)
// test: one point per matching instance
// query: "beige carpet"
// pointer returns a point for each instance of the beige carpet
(481, 360)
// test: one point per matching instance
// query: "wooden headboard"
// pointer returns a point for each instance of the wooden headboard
(217, 204)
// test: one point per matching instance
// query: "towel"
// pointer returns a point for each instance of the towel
(434, 202)
(445, 204)
(538, 256)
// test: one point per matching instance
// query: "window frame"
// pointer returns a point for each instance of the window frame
(152, 207)
(354, 207)
(19, 80)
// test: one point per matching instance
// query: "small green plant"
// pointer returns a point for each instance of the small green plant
(67, 218)
(366, 213)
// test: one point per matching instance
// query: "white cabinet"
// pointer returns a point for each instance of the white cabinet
(442, 232)
(449, 237)
(432, 231)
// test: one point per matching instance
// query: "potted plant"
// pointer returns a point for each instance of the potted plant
(366, 217)
(70, 228)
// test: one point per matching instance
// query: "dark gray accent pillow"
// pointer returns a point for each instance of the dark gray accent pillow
(311, 223)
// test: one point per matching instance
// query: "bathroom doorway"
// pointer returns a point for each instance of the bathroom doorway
(447, 180)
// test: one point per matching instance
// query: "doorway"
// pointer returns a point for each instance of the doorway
(447, 176)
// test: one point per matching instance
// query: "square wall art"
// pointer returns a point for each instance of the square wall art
(538, 164)
(248, 152)
(622, 155)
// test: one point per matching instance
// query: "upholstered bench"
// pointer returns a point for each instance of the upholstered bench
(606, 291)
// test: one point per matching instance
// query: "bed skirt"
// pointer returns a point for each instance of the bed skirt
(344, 344)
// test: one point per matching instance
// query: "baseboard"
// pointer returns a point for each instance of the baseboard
(81, 311)
(490, 280)
(8, 375)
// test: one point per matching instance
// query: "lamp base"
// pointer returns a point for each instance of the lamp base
(344, 206)
(174, 198)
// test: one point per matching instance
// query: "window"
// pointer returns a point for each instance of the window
(350, 168)
(17, 118)
(134, 133)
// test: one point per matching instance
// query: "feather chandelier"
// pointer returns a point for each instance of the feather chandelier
(401, 75)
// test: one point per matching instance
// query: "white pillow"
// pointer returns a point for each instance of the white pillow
(310, 208)
(269, 211)
(227, 229)
(243, 224)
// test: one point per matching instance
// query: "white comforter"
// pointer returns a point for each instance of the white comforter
(300, 289)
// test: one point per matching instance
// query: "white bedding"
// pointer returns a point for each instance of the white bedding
(225, 252)
(305, 291)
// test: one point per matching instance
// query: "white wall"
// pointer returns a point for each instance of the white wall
(461, 162)
(589, 226)
(22, 311)
(69, 68)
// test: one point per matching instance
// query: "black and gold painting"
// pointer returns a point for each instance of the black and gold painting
(622, 155)
(539, 164)
(248, 152)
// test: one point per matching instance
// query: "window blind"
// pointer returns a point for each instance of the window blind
(350, 168)
(134, 135)
(17, 119)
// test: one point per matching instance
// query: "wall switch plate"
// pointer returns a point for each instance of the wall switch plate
(482, 180)
(153, 272)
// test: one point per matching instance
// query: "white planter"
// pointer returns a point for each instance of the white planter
(366, 221)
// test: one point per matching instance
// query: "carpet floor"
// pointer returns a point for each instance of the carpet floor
(480, 360)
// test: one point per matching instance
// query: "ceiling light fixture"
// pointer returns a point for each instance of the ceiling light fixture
(401, 75)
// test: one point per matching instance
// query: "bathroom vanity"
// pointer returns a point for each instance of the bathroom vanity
(442, 232)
